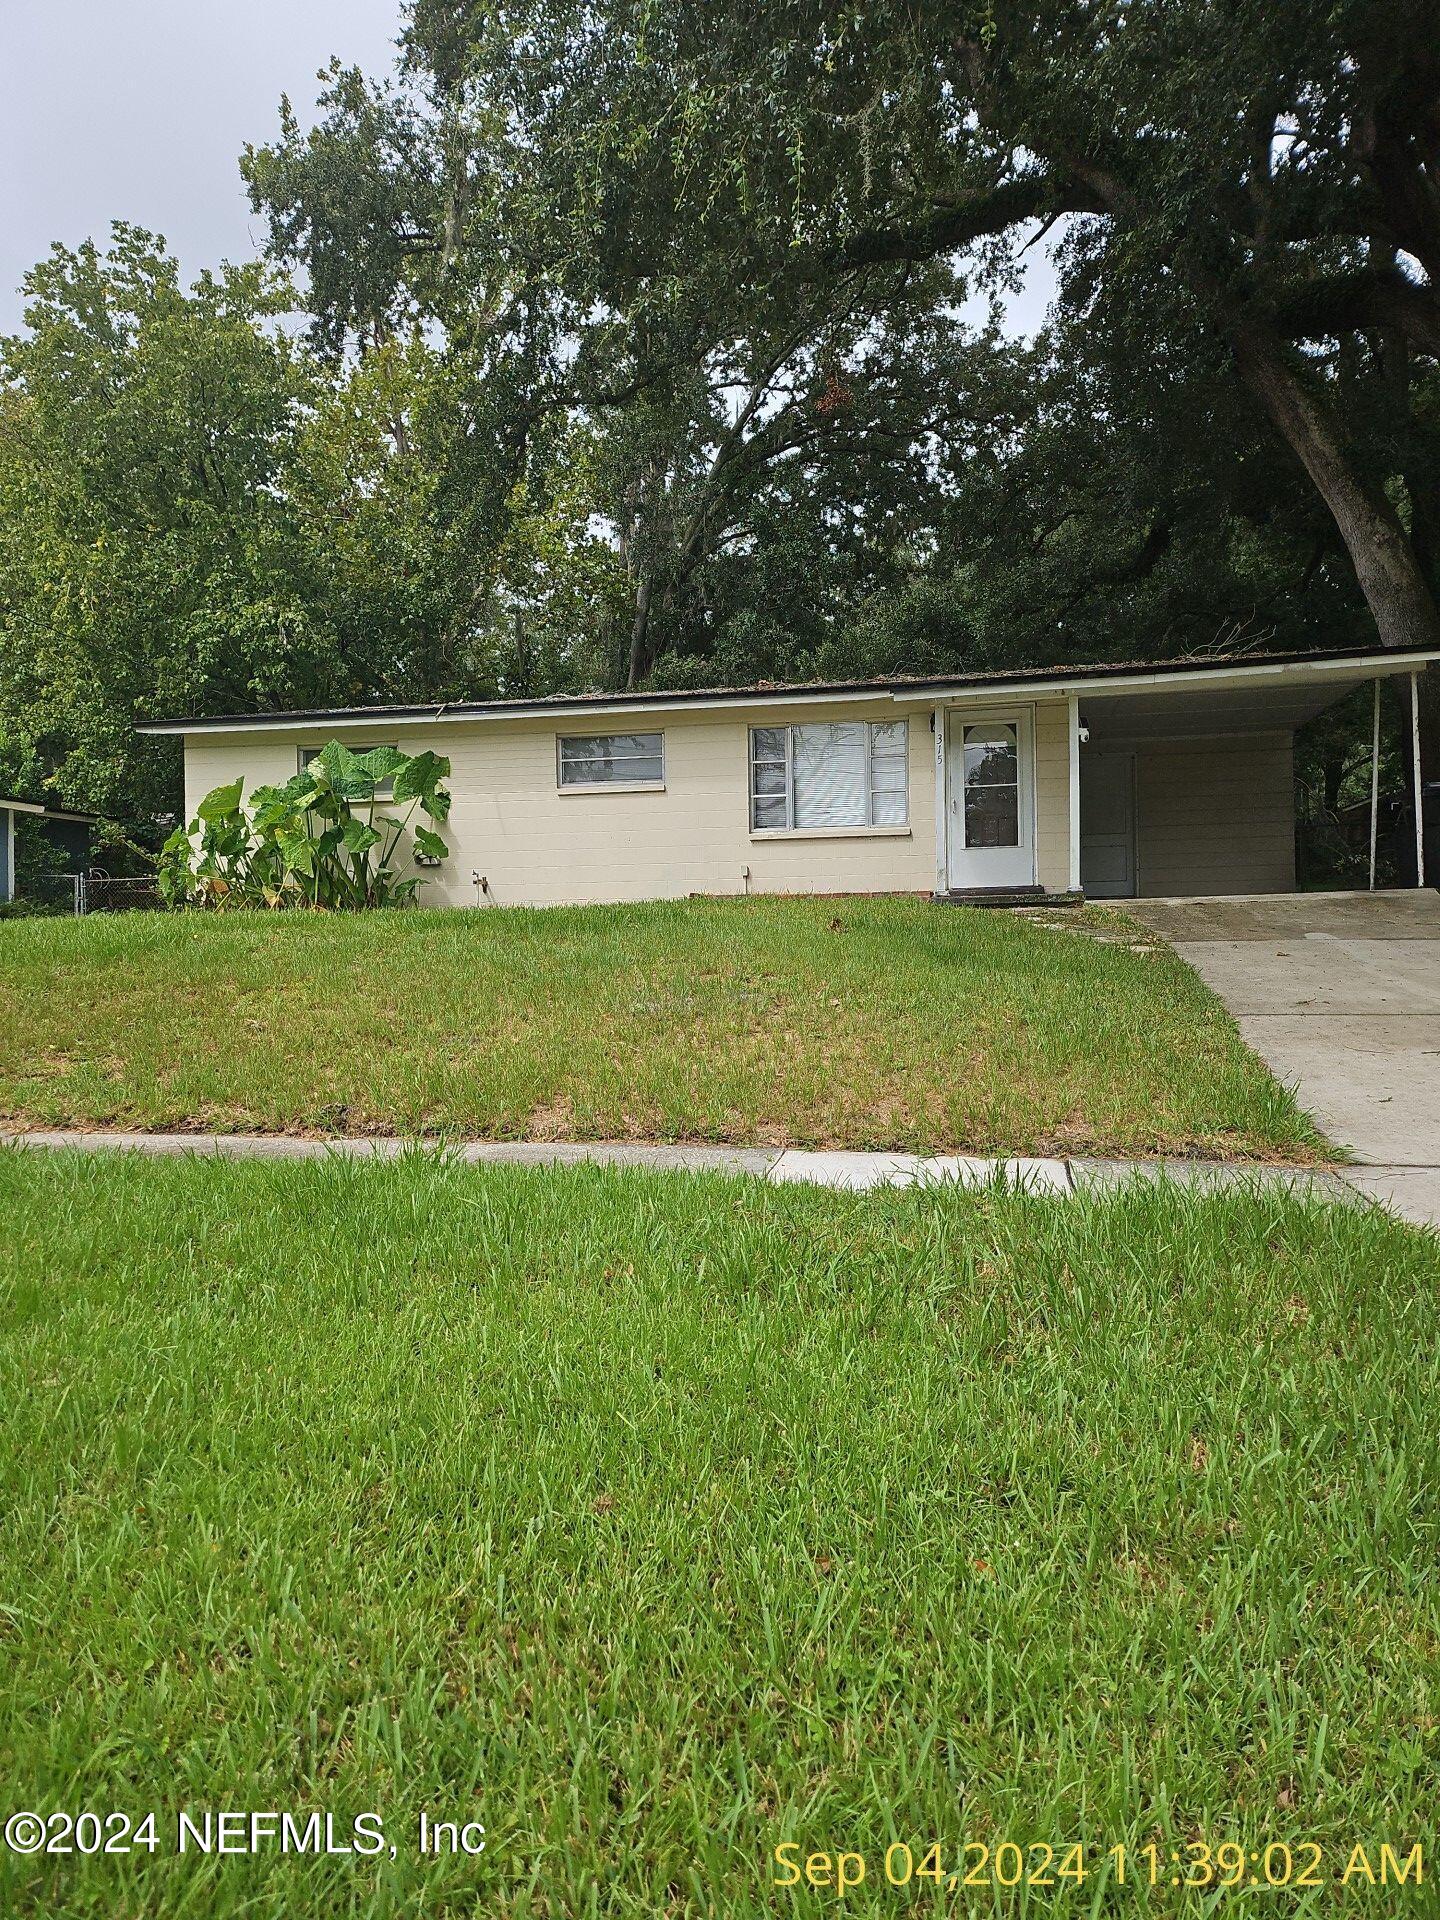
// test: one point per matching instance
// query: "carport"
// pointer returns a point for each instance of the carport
(1186, 774)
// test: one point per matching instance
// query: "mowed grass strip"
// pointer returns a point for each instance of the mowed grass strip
(870, 1024)
(657, 1521)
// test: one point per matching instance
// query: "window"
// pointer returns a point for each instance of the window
(384, 789)
(849, 774)
(611, 759)
(992, 786)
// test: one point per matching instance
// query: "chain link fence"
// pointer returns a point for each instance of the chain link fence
(101, 892)
(48, 893)
(93, 891)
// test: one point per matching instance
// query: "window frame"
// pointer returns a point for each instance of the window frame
(1015, 785)
(789, 728)
(562, 785)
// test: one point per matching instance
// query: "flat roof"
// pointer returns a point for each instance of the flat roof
(1114, 677)
(49, 813)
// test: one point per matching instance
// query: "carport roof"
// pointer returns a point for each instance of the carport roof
(1307, 680)
(49, 813)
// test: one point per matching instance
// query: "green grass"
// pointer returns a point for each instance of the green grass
(656, 1521)
(884, 1023)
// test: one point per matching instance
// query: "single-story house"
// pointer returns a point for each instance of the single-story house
(67, 833)
(1154, 778)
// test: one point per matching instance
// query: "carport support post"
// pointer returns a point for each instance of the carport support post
(1419, 790)
(1374, 781)
(1074, 705)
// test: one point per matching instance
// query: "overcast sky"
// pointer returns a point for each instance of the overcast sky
(138, 109)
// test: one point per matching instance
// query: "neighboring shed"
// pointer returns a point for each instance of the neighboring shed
(67, 833)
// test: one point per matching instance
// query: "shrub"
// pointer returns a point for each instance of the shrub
(321, 840)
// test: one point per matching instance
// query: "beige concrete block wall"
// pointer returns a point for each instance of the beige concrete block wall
(537, 845)
(1052, 795)
(1215, 815)
(260, 759)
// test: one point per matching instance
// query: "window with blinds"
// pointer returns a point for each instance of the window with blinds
(610, 760)
(851, 773)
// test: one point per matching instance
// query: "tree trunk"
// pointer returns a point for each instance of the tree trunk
(1390, 576)
(640, 635)
(1395, 589)
(1333, 775)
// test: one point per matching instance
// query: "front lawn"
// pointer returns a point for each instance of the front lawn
(656, 1522)
(883, 1023)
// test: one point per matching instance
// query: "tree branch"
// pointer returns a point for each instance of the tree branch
(1352, 302)
(1034, 196)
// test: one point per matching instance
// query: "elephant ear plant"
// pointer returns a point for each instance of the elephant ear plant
(327, 838)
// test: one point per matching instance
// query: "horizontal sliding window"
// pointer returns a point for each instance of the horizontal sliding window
(611, 759)
(851, 773)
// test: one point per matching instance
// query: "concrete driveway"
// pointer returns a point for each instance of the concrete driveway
(1340, 994)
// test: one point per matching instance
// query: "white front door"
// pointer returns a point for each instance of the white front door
(1107, 825)
(990, 786)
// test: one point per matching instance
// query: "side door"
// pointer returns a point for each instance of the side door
(1107, 825)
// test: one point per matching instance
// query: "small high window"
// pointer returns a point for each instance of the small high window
(384, 789)
(611, 760)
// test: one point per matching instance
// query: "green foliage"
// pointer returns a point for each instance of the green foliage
(145, 557)
(198, 514)
(741, 243)
(318, 841)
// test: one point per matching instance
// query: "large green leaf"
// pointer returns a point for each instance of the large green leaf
(344, 772)
(227, 837)
(297, 850)
(270, 807)
(359, 836)
(220, 801)
(430, 843)
(419, 777)
(333, 758)
(381, 762)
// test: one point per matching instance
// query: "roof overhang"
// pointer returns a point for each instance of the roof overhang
(1319, 671)
(19, 806)
(581, 710)
(1325, 675)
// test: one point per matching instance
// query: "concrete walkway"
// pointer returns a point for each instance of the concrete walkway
(852, 1171)
(1339, 993)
